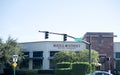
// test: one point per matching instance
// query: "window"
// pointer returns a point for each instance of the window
(38, 54)
(100, 39)
(25, 63)
(37, 63)
(118, 64)
(52, 53)
(52, 63)
(26, 54)
(117, 54)
(98, 74)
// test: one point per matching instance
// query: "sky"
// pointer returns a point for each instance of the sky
(22, 19)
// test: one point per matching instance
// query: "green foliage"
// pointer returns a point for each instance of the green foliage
(63, 68)
(63, 71)
(46, 72)
(1, 49)
(65, 56)
(63, 65)
(8, 49)
(8, 71)
(26, 72)
(83, 56)
(93, 67)
(72, 56)
(80, 68)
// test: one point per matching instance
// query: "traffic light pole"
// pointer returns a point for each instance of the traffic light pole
(88, 43)
(65, 38)
(65, 35)
(90, 55)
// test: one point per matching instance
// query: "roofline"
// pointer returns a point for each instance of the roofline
(51, 41)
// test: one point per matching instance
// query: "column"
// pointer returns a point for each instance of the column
(30, 61)
(46, 55)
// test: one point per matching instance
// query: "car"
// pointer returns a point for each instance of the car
(101, 73)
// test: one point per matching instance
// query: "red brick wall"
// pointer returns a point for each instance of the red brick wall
(105, 47)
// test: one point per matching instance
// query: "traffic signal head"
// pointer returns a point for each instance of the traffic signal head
(46, 35)
(65, 37)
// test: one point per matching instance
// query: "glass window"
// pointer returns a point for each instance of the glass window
(100, 39)
(52, 63)
(117, 54)
(25, 62)
(105, 74)
(26, 54)
(98, 74)
(118, 64)
(37, 63)
(38, 54)
(52, 53)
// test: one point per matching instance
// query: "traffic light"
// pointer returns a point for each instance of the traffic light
(65, 37)
(46, 35)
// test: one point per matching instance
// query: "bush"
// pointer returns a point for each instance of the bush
(26, 72)
(93, 67)
(80, 68)
(63, 71)
(46, 71)
(63, 65)
(63, 68)
(8, 71)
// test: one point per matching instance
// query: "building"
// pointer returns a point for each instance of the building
(117, 55)
(103, 43)
(39, 54)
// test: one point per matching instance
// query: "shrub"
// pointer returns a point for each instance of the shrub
(8, 71)
(93, 67)
(63, 68)
(63, 65)
(46, 71)
(26, 72)
(63, 71)
(80, 68)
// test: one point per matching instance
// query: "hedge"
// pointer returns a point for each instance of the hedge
(26, 72)
(80, 68)
(63, 71)
(63, 65)
(46, 71)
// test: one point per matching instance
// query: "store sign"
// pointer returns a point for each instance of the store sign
(66, 46)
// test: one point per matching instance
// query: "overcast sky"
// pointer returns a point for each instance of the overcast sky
(22, 19)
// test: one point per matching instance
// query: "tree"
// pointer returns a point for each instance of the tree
(72, 56)
(8, 49)
(83, 56)
(1, 47)
(65, 56)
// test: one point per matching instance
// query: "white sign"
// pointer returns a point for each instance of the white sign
(15, 58)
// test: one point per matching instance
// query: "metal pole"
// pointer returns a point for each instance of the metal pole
(109, 65)
(14, 70)
(90, 53)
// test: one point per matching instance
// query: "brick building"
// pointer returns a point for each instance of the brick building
(103, 43)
